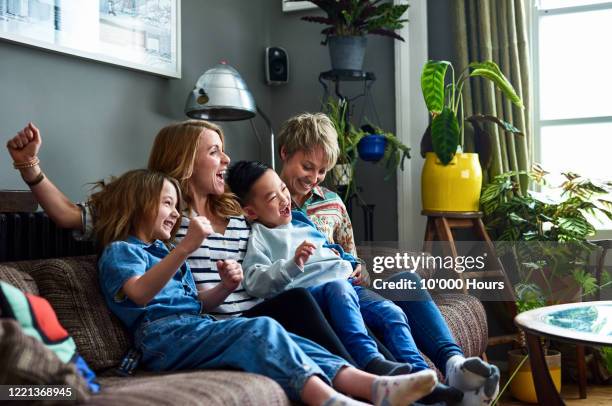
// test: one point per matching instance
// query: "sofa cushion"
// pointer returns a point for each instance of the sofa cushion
(71, 285)
(209, 388)
(21, 280)
(27, 361)
(466, 319)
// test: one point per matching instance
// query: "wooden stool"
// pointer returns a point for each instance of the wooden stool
(440, 226)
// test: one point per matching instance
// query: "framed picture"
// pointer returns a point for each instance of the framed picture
(138, 34)
(296, 5)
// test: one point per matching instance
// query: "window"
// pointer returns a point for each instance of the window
(573, 89)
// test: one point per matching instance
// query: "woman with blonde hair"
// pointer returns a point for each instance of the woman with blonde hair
(192, 152)
(308, 147)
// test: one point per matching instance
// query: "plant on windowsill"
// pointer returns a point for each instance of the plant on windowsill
(544, 234)
(452, 178)
(349, 21)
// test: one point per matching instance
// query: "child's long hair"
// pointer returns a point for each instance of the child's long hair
(174, 153)
(124, 203)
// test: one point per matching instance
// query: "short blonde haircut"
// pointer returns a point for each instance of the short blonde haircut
(174, 153)
(306, 131)
(123, 204)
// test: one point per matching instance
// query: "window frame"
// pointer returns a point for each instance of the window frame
(538, 123)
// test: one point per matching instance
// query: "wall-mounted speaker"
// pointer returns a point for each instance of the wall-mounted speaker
(277, 66)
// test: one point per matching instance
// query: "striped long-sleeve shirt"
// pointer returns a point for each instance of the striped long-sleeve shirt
(203, 263)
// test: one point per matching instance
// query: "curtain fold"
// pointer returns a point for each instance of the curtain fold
(497, 30)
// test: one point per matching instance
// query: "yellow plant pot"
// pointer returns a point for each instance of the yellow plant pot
(452, 187)
(522, 386)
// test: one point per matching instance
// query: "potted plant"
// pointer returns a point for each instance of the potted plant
(545, 236)
(343, 172)
(356, 142)
(377, 144)
(451, 178)
(349, 21)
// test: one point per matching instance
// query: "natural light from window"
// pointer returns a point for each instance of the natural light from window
(572, 60)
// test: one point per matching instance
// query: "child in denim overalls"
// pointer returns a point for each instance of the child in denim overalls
(151, 289)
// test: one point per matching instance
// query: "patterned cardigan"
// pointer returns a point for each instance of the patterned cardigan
(328, 213)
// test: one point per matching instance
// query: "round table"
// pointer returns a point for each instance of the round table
(586, 323)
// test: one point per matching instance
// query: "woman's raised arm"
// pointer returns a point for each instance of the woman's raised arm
(23, 148)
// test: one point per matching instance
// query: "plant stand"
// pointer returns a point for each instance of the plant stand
(440, 226)
(335, 78)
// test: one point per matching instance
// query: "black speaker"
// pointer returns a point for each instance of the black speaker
(277, 66)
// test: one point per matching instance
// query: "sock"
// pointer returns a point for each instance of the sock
(478, 380)
(339, 399)
(442, 394)
(402, 389)
(381, 366)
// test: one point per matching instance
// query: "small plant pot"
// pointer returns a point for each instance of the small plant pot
(454, 187)
(372, 147)
(522, 386)
(341, 174)
(347, 52)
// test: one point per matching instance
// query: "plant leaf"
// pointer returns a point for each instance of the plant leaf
(490, 70)
(482, 144)
(432, 85)
(445, 135)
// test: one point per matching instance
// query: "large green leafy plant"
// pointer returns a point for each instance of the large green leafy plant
(359, 17)
(445, 102)
(552, 226)
(545, 233)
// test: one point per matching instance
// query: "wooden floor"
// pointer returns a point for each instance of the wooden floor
(596, 396)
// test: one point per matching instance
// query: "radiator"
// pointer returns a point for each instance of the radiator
(34, 236)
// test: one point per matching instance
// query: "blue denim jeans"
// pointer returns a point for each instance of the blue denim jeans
(259, 345)
(407, 326)
(339, 301)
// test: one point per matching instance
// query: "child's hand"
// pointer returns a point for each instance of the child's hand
(230, 272)
(24, 146)
(357, 276)
(199, 229)
(303, 252)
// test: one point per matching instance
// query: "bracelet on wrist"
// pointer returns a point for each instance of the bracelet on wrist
(27, 164)
(39, 178)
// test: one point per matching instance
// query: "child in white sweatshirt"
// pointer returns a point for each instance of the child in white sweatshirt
(285, 251)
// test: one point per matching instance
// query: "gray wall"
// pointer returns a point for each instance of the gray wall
(98, 119)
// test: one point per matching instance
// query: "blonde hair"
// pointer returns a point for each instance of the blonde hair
(124, 203)
(306, 131)
(174, 153)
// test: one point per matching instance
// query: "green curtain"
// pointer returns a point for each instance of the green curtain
(497, 30)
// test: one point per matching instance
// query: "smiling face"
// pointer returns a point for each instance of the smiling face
(161, 225)
(269, 201)
(303, 170)
(210, 165)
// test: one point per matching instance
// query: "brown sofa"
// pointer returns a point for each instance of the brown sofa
(70, 285)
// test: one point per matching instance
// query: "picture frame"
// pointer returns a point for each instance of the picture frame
(296, 5)
(143, 35)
